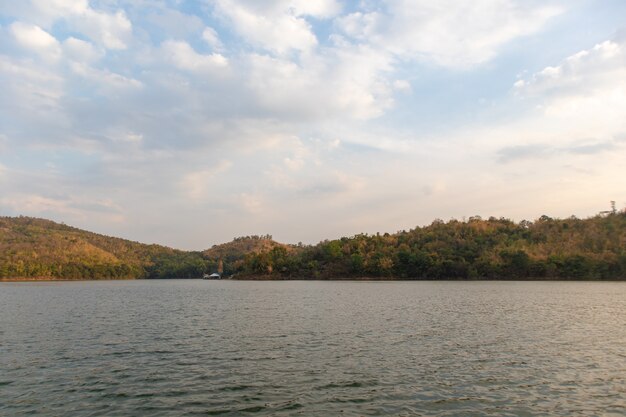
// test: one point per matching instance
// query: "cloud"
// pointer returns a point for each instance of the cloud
(54, 8)
(444, 32)
(173, 23)
(35, 204)
(343, 82)
(36, 39)
(323, 107)
(583, 96)
(80, 50)
(251, 203)
(182, 55)
(197, 183)
(320, 9)
(32, 96)
(585, 148)
(512, 153)
(585, 72)
(76, 208)
(402, 85)
(361, 26)
(111, 30)
(323, 9)
(592, 148)
(210, 36)
(105, 78)
(276, 29)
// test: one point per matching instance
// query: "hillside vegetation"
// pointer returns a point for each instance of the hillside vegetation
(37, 248)
(233, 254)
(593, 248)
(547, 248)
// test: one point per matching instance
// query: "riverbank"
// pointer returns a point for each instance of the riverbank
(282, 278)
(531, 279)
(51, 279)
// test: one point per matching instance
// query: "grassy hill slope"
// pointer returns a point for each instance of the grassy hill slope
(38, 248)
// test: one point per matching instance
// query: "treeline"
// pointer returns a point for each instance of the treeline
(38, 248)
(547, 248)
(232, 254)
(252, 237)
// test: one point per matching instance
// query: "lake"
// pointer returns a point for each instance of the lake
(193, 347)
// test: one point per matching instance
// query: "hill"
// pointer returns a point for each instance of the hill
(38, 248)
(235, 253)
(572, 248)
(547, 248)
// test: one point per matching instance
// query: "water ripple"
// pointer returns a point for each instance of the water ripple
(163, 348)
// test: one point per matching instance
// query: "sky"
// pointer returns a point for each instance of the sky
(188, 123)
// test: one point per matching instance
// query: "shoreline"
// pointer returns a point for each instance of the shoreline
(354, 279)
(391, 279)
(51, 279)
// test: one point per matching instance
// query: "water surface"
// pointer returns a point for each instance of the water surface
(312, 348)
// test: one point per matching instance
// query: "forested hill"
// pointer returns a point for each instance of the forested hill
(235, 253)
(42, 249)
(547, 248)
(593, 248)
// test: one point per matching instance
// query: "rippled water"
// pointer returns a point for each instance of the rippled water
(312, 348)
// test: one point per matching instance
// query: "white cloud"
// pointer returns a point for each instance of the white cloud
(31, 94)
(602, 66)
(197, 184)
(81, 51)
(360, 25)
(26, 69)
(36, 39)
(274, 29)
(343, 82)
(582, 97)
(174, 23)
(580, 101)
(56, 8)
(402, 85)
(321, 9)
(446, 32)
(111, 30)
(293, 112)
(105, 78)
(210, 36)
(360, 81)
(282, 86)
(182, 55)
(318, 8)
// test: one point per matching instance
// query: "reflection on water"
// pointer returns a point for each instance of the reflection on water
(312, 348)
